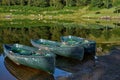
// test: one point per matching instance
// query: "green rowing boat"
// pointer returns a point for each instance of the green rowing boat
(71, 51)
(89, 45)
(30, 56)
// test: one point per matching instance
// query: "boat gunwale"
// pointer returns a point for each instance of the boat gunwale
(59, 46)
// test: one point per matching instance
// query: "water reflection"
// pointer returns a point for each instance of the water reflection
(60, 74)
(26, 73)
(106, 38)
(4, 73)
(67, 64)
(23, 35)
(70, 65)
(104, 48)
(12, 71)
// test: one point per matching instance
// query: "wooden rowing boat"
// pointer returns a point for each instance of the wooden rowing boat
(30, 56)
(71, 51)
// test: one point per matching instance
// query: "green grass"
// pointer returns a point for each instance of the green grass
(68, 13)
(102, 12)
(23, 10)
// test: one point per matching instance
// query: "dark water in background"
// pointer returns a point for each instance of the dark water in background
(107, 37)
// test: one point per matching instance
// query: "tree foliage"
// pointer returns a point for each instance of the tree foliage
(59, 4)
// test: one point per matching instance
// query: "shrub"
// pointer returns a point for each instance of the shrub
(116, 11)
(97, 12)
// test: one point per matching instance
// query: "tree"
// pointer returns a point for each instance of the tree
(56, 32)
(58, 4)
(6, 2)
(52, 2)
(21, 2)
(107, 34)
(29, 2)
(82, 2)
(97, 3)
(70, 3)
(78, 2)
(87, 2)
(12, 2)
(108, 3)
(40, 3)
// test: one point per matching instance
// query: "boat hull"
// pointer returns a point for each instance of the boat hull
(89, 45)
(45, 63)
(75, 52)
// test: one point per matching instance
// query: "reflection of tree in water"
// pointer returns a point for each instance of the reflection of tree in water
(104, 48)
(96, 33)
(69, 31)
(116, 32)
(23, 35)
(107, 34)
(82, 32)
(56, 32)
(40, 32)
(116, 24)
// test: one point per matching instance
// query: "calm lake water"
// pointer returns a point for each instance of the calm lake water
(106, 35)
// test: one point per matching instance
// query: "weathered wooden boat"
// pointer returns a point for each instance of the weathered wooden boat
(30, 56)
(21, 72)
(89, 45)
(71, 51)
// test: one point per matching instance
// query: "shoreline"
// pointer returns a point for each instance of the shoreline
(77, 14)
(106, 68)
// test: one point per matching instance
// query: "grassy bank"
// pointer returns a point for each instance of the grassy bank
(103, 14)
(74, 13)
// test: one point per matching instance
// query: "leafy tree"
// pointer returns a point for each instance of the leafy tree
(29, 2)
(21, 2)
(107, 34)
(78, 2)
(108, 3)
(40, 3)
(82, 2)
(52, 2)
(6, 2)
(96, 33)
(116, 2)
(58, 4)
(86, 2)
(97, 3)
(56, 32)
(70, 3)
(12, 2)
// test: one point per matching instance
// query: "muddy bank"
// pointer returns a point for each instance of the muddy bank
(106, 68)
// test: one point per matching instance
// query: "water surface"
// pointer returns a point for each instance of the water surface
(107, 37)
